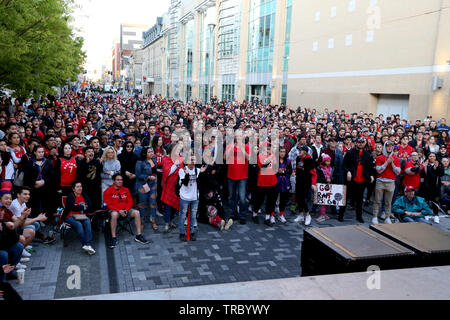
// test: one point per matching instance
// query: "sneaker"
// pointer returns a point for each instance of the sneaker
(193, 236)
(30, 250)
(388, 221)
(374, 220)
(113, 243)
(159, 214)
(307, 220)
(20, 266)
(172, 225)
(320, 219)
(91, 250)
(222, 224)
(25, 253)
(182, 237)
(267, 222)
(383, 216)
(29, 247)
(228, 225)
(283, 219)
(299, 219)
(272, 219)
(341, 219)
(49, 240)
(436, 219)
(23, 260)
(185, 222)
(140, 238)
(85, 248)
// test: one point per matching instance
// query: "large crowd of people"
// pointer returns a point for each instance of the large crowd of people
(88, 155)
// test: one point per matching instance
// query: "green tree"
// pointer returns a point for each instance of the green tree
(38, 48)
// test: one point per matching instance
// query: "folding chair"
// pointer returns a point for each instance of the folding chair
(122, 224)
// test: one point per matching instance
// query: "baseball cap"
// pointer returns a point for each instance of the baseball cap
(6, 186)
(304, 148)
(409, 188)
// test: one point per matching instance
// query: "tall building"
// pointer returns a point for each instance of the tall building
(115, 59)
(380, 56)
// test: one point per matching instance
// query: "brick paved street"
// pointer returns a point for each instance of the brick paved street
(245, 253)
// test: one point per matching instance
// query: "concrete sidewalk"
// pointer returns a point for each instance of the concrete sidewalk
(431, 283)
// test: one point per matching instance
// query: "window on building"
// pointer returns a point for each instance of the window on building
(330, 43)
(284, 94)
(370, 36)
(317, 16)
(352, 5)
(228, 92)
(333, 12)
(348, 40)
(287, 37)
(315, 45)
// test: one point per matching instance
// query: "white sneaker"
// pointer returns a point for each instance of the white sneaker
(185, 222)
(29, 247)
(388, 221)
(222, 225)
(307, 220)
(20, 266)
(436, 219)
(25, 253)
(23, 260)
(85, 248)
(283, 219)
(159, 214)
(299, 219)
(375, 221)
(91, 250)
(383, 216)
(272, 219)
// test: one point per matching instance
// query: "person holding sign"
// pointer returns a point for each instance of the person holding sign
(324, 175)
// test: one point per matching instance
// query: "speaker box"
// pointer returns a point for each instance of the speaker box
(351, 249)
(430, 243)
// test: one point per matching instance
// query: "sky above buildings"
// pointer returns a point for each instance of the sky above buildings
(98, 22)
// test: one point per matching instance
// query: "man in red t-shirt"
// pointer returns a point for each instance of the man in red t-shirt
(404, 149)
(120, 202)
(388, 168)
(237, 155)
(413, 169)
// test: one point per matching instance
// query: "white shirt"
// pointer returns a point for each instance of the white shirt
(17, 208)
(189, 192)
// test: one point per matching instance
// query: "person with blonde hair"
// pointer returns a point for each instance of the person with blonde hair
(111, 166)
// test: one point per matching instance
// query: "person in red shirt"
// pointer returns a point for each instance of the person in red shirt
(404, 149)
(370, 141)
(388, 168)
(119, 202)
(237, 155)
(413, 169)
(66, 171)
(266, 185)
(77, 150)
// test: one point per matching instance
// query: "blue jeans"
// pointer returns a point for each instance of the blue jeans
(12, 256)
(409, 219)
(237, 190)
(169, 214)
(83, 230)
(147, 204)
(183, 212)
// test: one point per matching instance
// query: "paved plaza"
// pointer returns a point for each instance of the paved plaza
(244, 253)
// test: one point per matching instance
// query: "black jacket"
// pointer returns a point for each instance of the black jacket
(31, 173)
(351, 159)
(71, 206)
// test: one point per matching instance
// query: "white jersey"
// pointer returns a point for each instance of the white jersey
(189, 192)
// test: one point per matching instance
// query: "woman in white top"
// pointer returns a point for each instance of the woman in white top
(111, 166)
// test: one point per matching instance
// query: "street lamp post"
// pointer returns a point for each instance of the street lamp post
(211, 27)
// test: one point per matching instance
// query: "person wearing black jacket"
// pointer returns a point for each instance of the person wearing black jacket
(77, 206)
(431, 188)
(358, 166)
(39, 176)
(128, 160)
(88, 173)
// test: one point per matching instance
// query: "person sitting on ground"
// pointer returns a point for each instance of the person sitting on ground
(119, 202)
(412, 208)
(77, 205)
(210, 210)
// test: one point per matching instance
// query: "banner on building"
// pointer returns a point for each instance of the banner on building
(331, 194)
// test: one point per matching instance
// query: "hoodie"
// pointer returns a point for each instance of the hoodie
(387, 172)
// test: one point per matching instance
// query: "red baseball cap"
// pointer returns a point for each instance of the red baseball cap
(409, 188)
(6, 186)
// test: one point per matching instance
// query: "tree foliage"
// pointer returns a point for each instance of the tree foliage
(38, 48)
